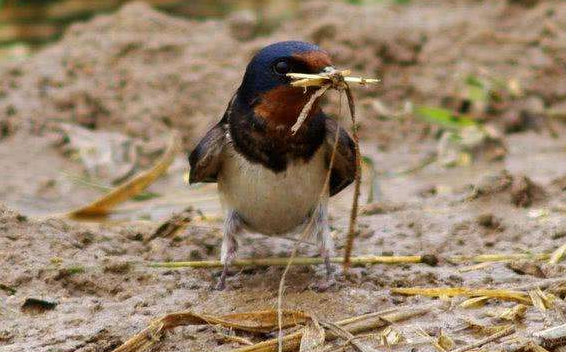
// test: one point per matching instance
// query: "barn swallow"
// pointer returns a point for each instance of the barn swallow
(269, 178)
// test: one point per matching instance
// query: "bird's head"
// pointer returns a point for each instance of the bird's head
(266, 88)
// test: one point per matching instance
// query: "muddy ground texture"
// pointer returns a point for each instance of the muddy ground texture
(95, 108)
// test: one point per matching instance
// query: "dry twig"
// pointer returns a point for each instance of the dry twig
(507, 295)
(338, 80)
(296, 261)
(506, 332)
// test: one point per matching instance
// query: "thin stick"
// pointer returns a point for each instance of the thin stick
(357, 178)
(506, 332)
(410, 259)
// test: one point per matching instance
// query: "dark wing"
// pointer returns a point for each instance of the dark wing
(205, 159)
(344, 168)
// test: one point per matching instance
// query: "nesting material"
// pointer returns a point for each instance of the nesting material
(507, 295)
(317, 80)
(336, 79)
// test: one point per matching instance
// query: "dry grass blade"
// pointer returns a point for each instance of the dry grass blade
(507, 295)
(130, 188)
(515, 313)
(415, 259)
(357, 182)
(173, 225)
(310, 80)
(354, 325)
(237, 339)
(348, 337)
(313, 337)
(308, 106)
(431, 340)
(256, 322)
(485, 258)
(541, 300)
(481, 329)
(390, 337)
(552, 337)
(506, 332)
(475, 302)
(558, 255)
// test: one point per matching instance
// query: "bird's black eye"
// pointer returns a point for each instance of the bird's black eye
(282, 67)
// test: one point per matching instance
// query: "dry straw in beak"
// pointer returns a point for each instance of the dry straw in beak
(335, 79)
(318, 80)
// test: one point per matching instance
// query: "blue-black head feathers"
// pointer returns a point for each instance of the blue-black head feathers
(268, 68)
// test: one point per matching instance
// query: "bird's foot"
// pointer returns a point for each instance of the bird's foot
(221, 284)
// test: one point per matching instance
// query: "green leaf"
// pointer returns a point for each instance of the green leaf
(477, 90)
(444, 117)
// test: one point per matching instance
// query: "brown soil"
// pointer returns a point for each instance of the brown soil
(141, 73)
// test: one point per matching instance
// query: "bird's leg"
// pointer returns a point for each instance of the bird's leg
(232, 226)
(323, 238)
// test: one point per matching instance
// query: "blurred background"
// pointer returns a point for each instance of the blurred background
(28, 24)
(91, 90)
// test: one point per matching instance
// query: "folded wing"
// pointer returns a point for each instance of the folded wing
(205, 159)
(344, 167)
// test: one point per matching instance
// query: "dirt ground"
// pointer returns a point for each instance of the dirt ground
(98, 106)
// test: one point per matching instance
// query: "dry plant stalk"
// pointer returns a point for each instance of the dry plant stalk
(349, 338)
(259, 322)
(354, 326)
(515, 313)
(130, 188)
(295, 261)
(486, 258)
(434, 342)
(337, 80)
(475, 302)
(552, 337)
(503, 294)
(256, 322)
(309, 80)
(558, 255)
(505, 332)
(480, 329)
(541, 300)
(357, 184)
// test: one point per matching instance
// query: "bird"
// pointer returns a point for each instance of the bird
(270, 179)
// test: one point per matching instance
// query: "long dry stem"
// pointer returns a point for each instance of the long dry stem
(357, 182)
(410, 259)
(508, 331)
